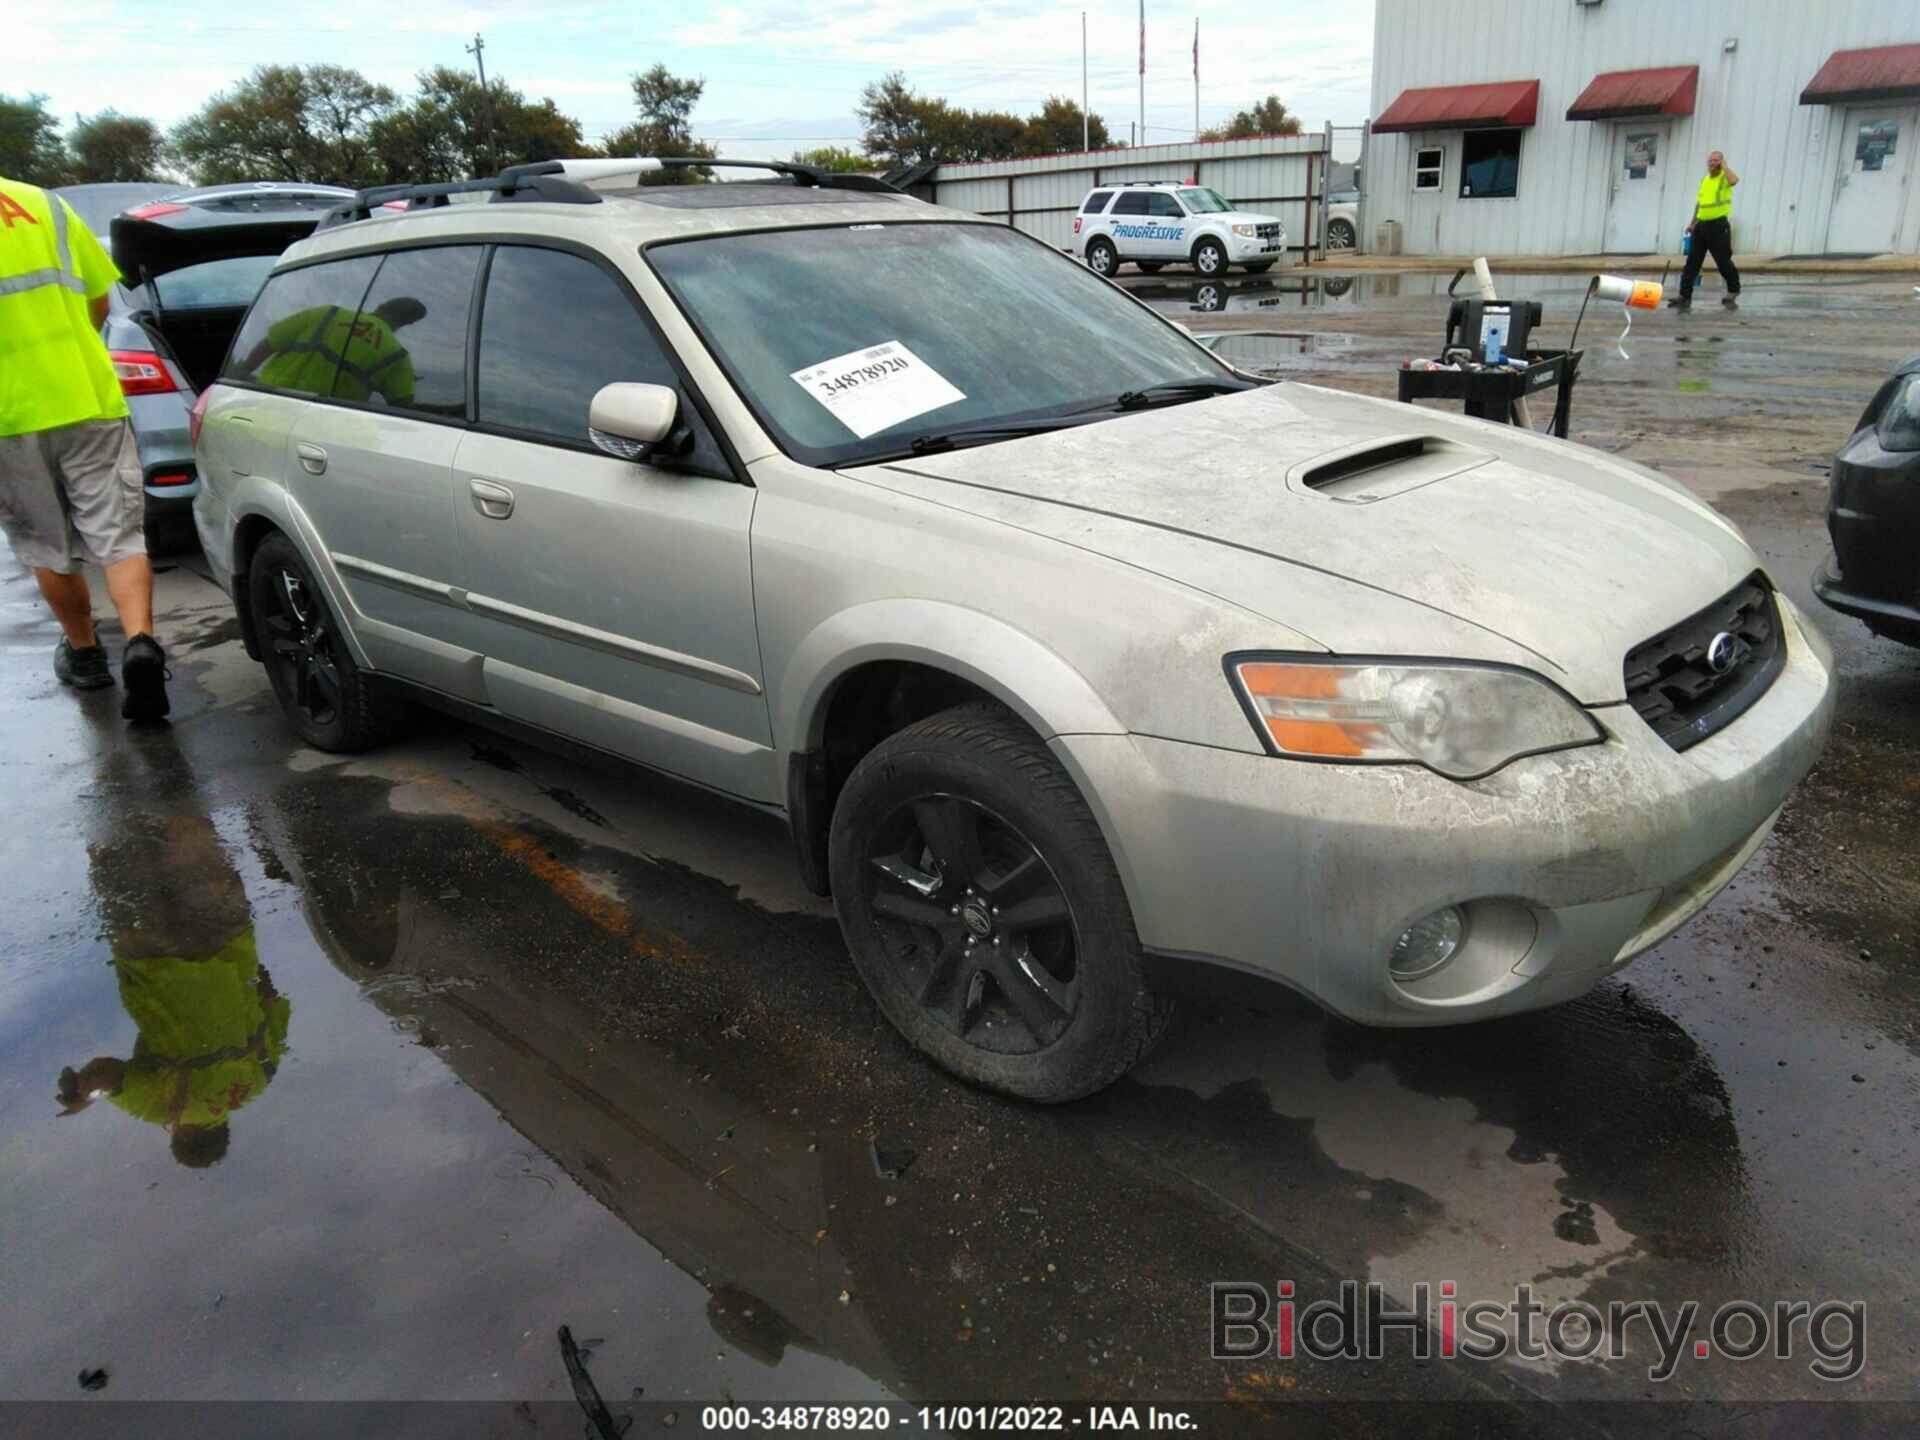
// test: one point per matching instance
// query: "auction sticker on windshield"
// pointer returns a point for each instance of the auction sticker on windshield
(871, 389)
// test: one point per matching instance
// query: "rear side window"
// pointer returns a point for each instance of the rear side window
(281, 343)
(1096, 202)
(1131, 202)
(556, 328)
(408, 345)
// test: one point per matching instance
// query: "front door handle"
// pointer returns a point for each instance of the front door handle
(491, 500)
(313, 459)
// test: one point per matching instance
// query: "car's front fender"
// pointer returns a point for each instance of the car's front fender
(1033, 681)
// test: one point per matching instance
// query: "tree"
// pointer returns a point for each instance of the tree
(1056, 129)
(452, 130)
(285, 122)
(30, 146)
(902, 127)
(1269, 117)
(665, 126)
(112, 146)
(893, 120)
(834, 160)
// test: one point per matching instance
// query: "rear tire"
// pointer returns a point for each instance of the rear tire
(1340, 235)
(984, 912)
(1210, 258)
(1102, 258)
(328, 699)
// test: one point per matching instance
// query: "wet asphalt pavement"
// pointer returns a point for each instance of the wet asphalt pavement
(486, 1040)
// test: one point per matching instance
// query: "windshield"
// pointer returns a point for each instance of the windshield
(1202, 201)
(850, 342)
(217, 282)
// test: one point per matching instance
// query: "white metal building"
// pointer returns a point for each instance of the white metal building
(1271, 174)
(1565, 127)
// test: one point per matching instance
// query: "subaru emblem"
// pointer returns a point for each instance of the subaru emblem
(1722, 652)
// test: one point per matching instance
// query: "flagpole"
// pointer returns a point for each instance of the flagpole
(1196, 77)
(1143, 72)
(1085, 142)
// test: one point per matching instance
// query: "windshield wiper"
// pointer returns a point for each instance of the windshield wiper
(1178, 390)
(1005, 430)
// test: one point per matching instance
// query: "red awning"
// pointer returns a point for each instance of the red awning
(1617, 94)
(1886, 72)
(1462, 107)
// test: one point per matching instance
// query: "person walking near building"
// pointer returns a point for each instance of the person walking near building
(1712, 232)
(70, 485)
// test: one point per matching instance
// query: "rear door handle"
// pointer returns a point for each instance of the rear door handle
(313, 459)
(491, 500)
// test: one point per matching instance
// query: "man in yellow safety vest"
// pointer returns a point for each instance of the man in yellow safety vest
(1711, 230)
(70, 483)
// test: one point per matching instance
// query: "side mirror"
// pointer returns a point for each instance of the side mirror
(627, 420)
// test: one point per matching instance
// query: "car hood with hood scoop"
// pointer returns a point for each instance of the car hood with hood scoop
(1517, 547)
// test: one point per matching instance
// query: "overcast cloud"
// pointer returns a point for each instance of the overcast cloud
(780, 75)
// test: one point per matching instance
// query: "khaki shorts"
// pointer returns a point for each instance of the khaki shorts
(72, 495)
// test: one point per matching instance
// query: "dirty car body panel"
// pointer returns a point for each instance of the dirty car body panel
(1873, 514)
(1112, 571)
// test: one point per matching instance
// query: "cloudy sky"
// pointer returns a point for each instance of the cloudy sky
(780, 75)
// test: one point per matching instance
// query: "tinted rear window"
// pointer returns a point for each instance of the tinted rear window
(281, 343)
(1096, 202)
(218, 282)
(409, 346)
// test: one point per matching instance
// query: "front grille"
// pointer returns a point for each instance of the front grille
(1672, 681)
(1268, 232)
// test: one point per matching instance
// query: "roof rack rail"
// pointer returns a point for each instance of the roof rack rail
(541, 180)
(800, 174)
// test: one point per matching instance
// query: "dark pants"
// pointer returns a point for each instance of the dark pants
(1715, 238)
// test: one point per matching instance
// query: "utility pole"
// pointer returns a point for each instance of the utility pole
(1085, 142)
(478, 51)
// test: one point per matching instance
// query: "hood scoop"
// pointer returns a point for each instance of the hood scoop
(1383, 467)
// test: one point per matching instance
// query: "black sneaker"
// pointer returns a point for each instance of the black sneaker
(143, 669)
(1731, 302)
(83, 669)
(1680, 304)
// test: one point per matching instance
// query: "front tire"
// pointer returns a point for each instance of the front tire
(983, 910)
(328, 699)
(1102, 258)
(1210, 257)
(1340, 235)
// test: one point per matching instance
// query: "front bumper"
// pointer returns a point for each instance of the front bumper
(1883, 611)
(1569, 864)
(1241, 249)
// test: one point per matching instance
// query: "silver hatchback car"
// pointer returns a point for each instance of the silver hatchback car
(1067, 651)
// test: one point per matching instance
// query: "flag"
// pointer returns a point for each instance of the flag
(1196, 49)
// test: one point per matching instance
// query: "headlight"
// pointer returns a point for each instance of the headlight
(1459, 719)
(1900, 422)
(1246, 232)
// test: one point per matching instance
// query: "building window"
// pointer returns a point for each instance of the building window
(1489, 164)
(1426, 168)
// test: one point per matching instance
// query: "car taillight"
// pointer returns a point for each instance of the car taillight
(155, 210)
(141, 372)
(1076, 224)
(170, 477)
(197, 416)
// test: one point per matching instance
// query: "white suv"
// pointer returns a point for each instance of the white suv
(1160, 222)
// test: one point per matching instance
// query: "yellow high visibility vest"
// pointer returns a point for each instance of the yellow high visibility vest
(1715, 201)
(54, 369)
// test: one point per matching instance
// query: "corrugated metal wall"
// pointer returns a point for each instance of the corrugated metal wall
(1268, 175)
(1789, 156)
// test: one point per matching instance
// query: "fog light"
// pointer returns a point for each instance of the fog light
(1427, 944)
